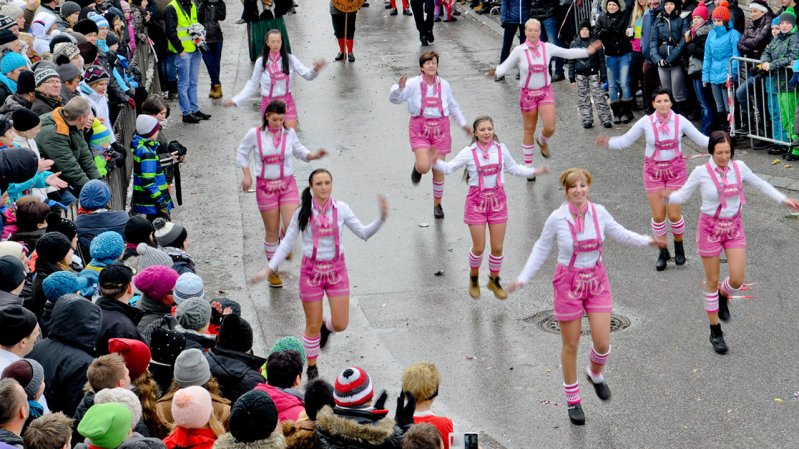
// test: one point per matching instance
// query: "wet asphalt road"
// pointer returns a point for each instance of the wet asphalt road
(669, 388)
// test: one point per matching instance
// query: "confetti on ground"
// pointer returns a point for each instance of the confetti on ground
(796, 394)
(548, 402)
(775, 162)
(778, 400)
(439, 273)
(249, 191)
(424, 225)
(788, 166)
(470, 357)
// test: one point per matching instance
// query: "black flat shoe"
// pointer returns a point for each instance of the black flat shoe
(777, 150)
(416, 177)
(576, 415)
(312, 372)
(430, 37)
(438, 212)
(191, 118)
(717, 339)
(664, 257)
(339, 57)
(201, 115)
(602, 389)
(724, 307)
(351, 57)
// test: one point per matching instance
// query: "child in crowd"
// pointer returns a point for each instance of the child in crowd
(99, 143)
(777, 59)
(105, 249)
(51, 431)
(30, 375)
(588, 75)
(196, 427)
(422, 380)
(106, 426)
(150, 191)
(284, 376)
(94, 88)
(174, 239)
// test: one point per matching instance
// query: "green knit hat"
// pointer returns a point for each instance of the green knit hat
(286, 344)
(106, 425)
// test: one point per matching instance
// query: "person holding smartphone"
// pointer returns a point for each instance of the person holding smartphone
(580, 284)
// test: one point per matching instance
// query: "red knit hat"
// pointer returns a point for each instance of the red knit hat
(722, 12)
(353, 388)
(700, 11)
(135, 353)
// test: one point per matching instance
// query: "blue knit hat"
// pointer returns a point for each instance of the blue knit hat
(776, 22)
(94, 195)
(12, 61)
(101, 135)
(99, 20)
(61, 283)
(107, 247)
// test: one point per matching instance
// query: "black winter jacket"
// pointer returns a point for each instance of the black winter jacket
(668, 38)
(236, 372)
(152, 310)
(91, 225)
(68, 351)
(756, 37)
(17, 165)
(611, 29)
(543, 9)
(592, 65)
(210, 13)
(356, 429)
(37, 300)
(119, 321)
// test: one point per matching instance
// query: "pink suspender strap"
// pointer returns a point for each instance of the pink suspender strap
(574, 236)
(264, 162)
(527, 52)
(722, 198)
(336, 236)
(478, 166)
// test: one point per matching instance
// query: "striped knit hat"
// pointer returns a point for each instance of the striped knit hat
(353, 388)
(101, 136)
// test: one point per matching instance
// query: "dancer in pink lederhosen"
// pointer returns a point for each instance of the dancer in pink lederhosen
(320, 221)
(430, 103)
(275, 187)
(273, 72)
(580, 283)
(536, 96)
(720, 182)
(664, 166)
(485, 160)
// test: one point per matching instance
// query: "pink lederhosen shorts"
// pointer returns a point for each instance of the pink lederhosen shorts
(291, 107)
(430, 133)
(323, 276)
(581, 290)
(489, 206)
(272, 198)
(713, 234)
(530, 99)
(670, 174)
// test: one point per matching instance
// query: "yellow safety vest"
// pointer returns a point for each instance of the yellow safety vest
(183, 27)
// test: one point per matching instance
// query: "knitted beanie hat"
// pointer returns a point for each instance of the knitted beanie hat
(235, 334)
(136, 354)
(26, 83)
(193, 314)
(68, 8)
(7, 36)
(700, 11)
(121, 396)
(29, 373)
(44, 73)
(94, 195)
(88, 51)
(9, 248)
(6, 22)
(149, 257)
(189, 285)
(788, 17)
(107, 247)
(12, 273)
(106, 425)
(138, 230)
(60, 39)
(353, 388)
(192, 407)
(101, 135)
(114, 276)
(253, 417)
(94, 74)
(722, 12)
(12, 61)
(86, 26)
(99, 19)
(42, 22)
(147, 125)
(24, 119)
(61, 283)
(56, 223)
(191, 368)
(167, 233)
(69, 72)
(11, 11)
(166, 345)
(53, 247)
(112, 39)
(156, 282)
(68, 49)
(289, 343)
(17, 323)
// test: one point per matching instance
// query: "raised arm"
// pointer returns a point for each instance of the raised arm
(514, 169)
(460, 160)
(690, 130)
(252, 85)
(760, 184)
(355, 225)
(619, 232)
(627, 139)
(305, 72)
(541, 249)
(688, 189)
(287, 243)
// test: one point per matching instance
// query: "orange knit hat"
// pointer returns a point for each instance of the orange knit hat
(722, 12)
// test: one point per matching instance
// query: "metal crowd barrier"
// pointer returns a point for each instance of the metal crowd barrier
(764, 92)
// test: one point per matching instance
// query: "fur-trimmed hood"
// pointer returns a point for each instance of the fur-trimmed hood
(621, 3)
(356, 429)
(298, 437)
(275, 441)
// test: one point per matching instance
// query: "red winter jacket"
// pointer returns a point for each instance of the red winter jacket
(190, 439)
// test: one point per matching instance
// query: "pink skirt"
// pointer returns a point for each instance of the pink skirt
(273, 193)
(530, 99)
(713, 235)
(581, 290)
(659, 175)
(291, 108)
(430, 133)
(323, 276)
(488, 206)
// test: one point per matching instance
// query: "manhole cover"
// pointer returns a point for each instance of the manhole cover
(546, 321)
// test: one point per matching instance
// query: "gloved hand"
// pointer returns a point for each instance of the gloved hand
(754, 71)
(380, 404)
(132, 103)
(120, 151)
(406, 405)
(794, 82)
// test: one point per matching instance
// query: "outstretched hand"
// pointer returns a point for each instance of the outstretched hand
(55, 181)
(516, 285)
(229, 103)
(792, 203)
(491, 73)
(602, 140)
(261, 275)
(594, 47)
(319, 154)
(319, 64)
(468, 130)
(402, 80)
(658, 242)
(543, 170)
(383, 205)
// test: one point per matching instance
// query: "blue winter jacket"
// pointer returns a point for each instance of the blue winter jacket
(646, 32)
(514, 11)
(720, 46)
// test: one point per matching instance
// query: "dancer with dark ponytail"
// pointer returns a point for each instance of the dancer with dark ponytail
(720, 182)
(272, 73)
(664, 166)
(321, 221)
(275, 187)
(485, 160)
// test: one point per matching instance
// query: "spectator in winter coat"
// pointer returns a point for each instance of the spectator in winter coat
(165, 347)
(71, 78)
(284, 376)
(129, 399)
(14, 412)
(107, 371)
(423, 381)
(55, 286)
(611, 29)
(94, 88)
(12, 281)
(20, 331)
(48, 89)
(23, 97)
(11, 65)
(105, 249)
(174, 240)
(253, 424)
(210, 13)
(137, 230)
(94, 216)
(106, 426)
(17, 165)
(30, 375)
(720, 46)
(31, 222)
(61, 139)
(695, 39)
(231, 361)
(194, 317)
(54, 252)
(780, 53)
(156, 284)
(48, 432)
(300, 435)
(68, 351)
(752, 43)
(512, 15)
(196, 427)
(354, 423)
(666, 47)
(150, 190)
(119, 318)
(191, 369)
